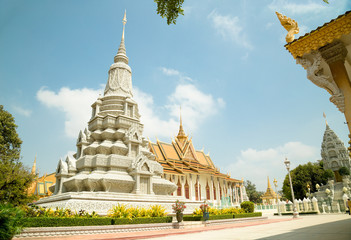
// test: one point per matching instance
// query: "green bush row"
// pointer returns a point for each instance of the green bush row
(223, 216)
(61, 222)
(246, 215)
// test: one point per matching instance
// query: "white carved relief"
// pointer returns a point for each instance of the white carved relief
(315, 75)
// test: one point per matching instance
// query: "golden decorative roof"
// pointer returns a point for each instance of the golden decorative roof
(180, 157)
(321, 36)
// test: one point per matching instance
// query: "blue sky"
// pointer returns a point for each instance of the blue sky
(244, 99)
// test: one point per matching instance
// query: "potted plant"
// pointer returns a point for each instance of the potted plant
(178, 208)
(205, 211)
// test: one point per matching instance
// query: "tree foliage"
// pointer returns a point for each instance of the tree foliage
(252, 193)
(14, 177)
(170, 9)
(311, 174)
(343, 171)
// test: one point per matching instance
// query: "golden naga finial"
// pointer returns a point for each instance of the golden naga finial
(290, 25)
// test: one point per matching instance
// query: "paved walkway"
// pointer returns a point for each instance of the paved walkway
(337, 226)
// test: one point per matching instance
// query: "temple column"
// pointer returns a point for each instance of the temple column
(230, 194)
(237, 193)
(151, 191)
(334, 54)
(191, 188)
(137, 184)
(241, 193)
(211, 190)
(218, 192)
(125, 108)
(182, 182)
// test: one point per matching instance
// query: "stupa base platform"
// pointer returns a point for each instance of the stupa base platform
(102, 202)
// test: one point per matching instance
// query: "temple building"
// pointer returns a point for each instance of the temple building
(334, 156)
(40, 186)
(195, 174)
(269, 197)
(325, 55)
(334, 153)
(113, 163)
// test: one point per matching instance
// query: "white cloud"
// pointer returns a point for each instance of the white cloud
(170, 71)
(229, 27)
(293, 8)
(255, 165)
(196, 107)
(74, 103)
(22, 111)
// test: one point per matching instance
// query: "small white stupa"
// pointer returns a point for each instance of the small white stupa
(113, 163)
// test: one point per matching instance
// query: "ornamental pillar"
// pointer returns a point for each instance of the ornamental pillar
(182, 182)
(191, 188)
(334, 54)
(241, 193)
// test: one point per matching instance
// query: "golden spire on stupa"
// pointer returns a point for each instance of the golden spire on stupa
(34, 167)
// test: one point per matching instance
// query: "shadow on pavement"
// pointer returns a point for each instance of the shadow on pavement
(339, 230)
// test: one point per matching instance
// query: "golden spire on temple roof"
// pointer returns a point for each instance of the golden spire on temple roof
(34, 168)
(181, 134)
(269, 184)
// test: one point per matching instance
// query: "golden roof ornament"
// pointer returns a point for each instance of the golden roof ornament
(290, 25)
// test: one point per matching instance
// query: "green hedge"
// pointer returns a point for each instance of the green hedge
(192, 218)
(62, 222)
(247, 215)
(222, 216)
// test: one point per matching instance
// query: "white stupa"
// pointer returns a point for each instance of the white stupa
(113, 163)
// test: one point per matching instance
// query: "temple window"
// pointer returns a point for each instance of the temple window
(207, 191)
(179, 190)
(186, 188)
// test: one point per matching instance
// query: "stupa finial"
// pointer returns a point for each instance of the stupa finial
(34, 167)
(325, 116)
(121, 54)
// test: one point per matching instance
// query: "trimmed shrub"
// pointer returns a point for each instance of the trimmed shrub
(10, 221)
(64, 221)
(192, 218)
(247, 215)
(248, 206)
(80, 221)
(223, 216)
